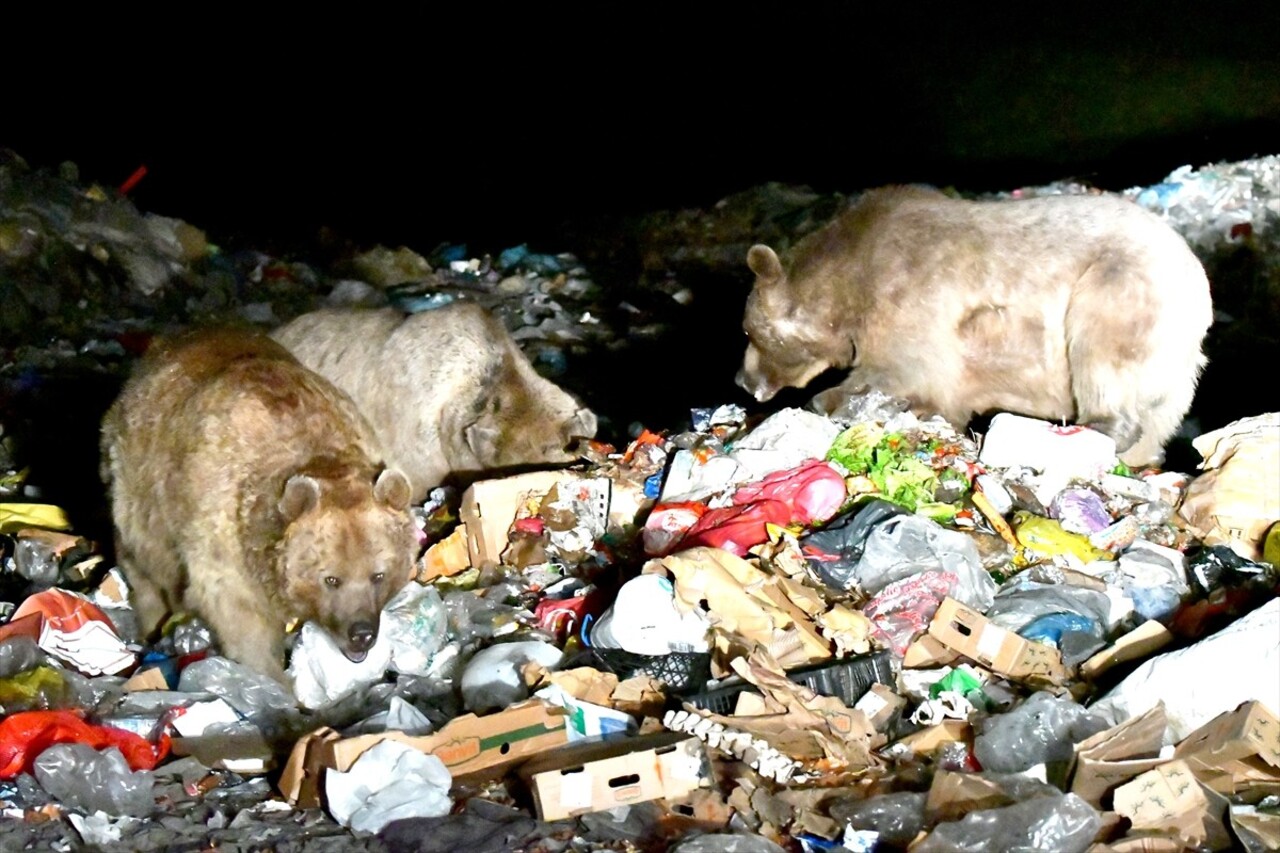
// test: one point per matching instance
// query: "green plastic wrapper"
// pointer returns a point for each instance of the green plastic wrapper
(36, 689)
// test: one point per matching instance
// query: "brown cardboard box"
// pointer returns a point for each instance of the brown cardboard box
(445, 558)
(1237, 752)
(470, 746)
(489, 506)
(924, 742)
(881, 705)
(968, 632)
(1141, 642)
(925, 652)
(591, 777)
(1115, 756)
(1169, 801)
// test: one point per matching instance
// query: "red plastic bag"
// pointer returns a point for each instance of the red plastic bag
(737, 529)
(667, 523)
(23, 736)
(814, 491)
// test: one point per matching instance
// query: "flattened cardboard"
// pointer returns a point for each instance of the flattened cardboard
(1141, 642)
(592, 777)
(150, 678)
(1113, 757)
(1237, 752)
(471, 747)
(489, 506)
(1170, 801)
(446, 558)
(926, 653)
(968, 632)
(924, 742)
(953, 795)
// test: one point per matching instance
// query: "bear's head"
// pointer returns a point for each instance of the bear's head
(348, 547)
(520, 418)
(788, 345)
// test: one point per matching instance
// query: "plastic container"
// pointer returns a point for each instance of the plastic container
(846, 679)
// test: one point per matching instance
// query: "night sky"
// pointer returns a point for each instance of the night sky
(493, 127)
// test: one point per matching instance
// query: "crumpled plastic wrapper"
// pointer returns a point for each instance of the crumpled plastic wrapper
(388, 782)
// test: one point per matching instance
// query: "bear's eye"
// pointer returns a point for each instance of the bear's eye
(377, 578)
(333, 582)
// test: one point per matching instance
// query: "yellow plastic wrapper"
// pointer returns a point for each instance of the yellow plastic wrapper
(16, 516)
(1044, 536)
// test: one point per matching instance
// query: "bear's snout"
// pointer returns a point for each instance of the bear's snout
(360, 638)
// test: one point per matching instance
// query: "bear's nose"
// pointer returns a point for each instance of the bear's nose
(362, 635)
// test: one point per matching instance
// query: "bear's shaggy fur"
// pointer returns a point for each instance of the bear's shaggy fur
(447, 391)
(247, 489)
(1079, 307)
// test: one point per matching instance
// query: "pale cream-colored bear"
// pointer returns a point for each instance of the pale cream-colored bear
(447, 391)
(1082, 308)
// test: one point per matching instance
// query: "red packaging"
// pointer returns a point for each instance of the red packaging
(23, 736)
(737, 529)
(814, 491)
(667, 523)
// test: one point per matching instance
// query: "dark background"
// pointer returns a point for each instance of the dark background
(493, 127)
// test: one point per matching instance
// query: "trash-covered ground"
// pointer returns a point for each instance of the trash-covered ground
(728, 630)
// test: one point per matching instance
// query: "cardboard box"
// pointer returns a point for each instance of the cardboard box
(489, 506)
(471, 747)
(881, 705)
(968, 632)
(1113, 757)
(1237, 752)
(925, 742)
(445, 558)
(1169, 801)
(591, 777)
(1139, 643)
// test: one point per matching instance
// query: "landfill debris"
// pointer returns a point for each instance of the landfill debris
(863, 630)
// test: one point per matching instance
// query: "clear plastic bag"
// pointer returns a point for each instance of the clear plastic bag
(907, 545)
(1064, 824)
(1041, 730)
(726, 842)
(84, 778)
(897, 817)
(250, 692)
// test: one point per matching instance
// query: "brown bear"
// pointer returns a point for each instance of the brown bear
(448, 391)
(248, 490)
(1084, 308)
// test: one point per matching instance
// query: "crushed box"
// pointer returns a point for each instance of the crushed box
(1237, 752)
(968, 632)
(591, 777)
(469, 746)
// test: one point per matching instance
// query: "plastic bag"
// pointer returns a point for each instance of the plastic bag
(834, 551)
(250, 692)
(25, 735)
(1239, 663)
(726, 842)
(644, 620)
(18, 654)
(783, 440)
(1065, 824)
(81, 776)
(1080, 511)
(898, 817)
(814, 491)
(389, 781)
(736, 529)
(1041, 730)
(907, 545)
(492, 677)
(1023, 601)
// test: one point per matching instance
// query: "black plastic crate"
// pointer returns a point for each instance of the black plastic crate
(846, 679)
(680, 672)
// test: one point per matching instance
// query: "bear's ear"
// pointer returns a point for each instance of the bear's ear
(764, 262)
(392, 488)
(301, 493)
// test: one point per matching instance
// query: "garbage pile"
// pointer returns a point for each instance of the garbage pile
(757, 633)
(858, 632)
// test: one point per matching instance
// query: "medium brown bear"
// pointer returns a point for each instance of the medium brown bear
(247, 489)
(1079, 307)
(447, 391)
